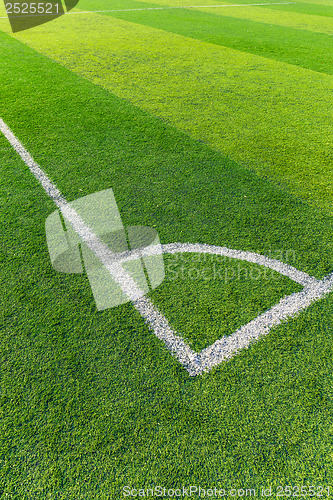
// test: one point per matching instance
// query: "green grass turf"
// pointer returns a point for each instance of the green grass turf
(92, 401)
(311, 8)
(257, 13)
(219, 295)
(305, 8)
(299, 47)
(282, 131)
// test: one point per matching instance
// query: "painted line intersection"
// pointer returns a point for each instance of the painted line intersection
(224, 348)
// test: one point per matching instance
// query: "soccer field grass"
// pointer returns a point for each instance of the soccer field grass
(213, 125)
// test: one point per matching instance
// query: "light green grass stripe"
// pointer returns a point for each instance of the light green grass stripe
(272, 117)
(3, 13)
(80, 416)
(258, 14)
(317, 2)
(324, 11)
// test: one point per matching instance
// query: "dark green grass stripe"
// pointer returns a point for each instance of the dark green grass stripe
(91, 401)
(156, 171)
(305, 8)
(300, 47)
(92, 151)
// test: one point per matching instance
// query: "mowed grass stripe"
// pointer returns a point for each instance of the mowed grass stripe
(300, 47)
(91, 146)
(91, 401)
(261, 14)
(272, 117)
(321, 9)
(326, 3)
(311, 8)
(212, 292)
(247, 34)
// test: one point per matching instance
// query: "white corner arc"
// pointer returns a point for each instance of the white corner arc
(224, 348)
(228, 346)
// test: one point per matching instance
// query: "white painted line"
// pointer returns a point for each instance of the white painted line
(288, 307)
(144, 305)
(286, 269)
(100, 249)
(184, 7)
(168, 8)
(224, 348)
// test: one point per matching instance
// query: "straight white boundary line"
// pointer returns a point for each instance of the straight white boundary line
(185, 7)
(99, 248)
(143, 304)
(288, 307)
(222, 349)
(286, 269)
(168, 8)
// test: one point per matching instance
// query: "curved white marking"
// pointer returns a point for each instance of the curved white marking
(224, 348)
(183, 7)
(298, 276)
